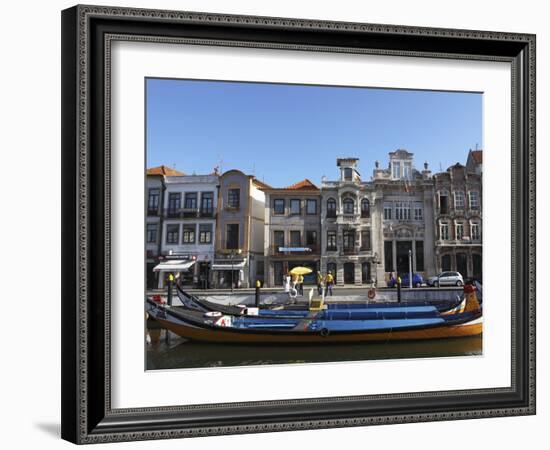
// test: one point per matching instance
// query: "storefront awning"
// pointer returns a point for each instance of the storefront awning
(228, 266)
(174, 266)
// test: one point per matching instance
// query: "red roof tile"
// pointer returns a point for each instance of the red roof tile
(302, 185)
(477, 155)
(164, 170)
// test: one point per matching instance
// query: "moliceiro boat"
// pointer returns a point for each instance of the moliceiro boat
(320, 323)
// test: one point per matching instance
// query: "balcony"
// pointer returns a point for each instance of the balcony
(331, 215)
(207, 213)
(181, 213)
(152, 212)
(349, 251)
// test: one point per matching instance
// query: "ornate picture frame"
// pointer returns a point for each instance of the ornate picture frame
(87, 35)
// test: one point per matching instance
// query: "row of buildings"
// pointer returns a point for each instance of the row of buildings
(219, 230)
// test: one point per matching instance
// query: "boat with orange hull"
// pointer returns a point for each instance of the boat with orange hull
(320, 325)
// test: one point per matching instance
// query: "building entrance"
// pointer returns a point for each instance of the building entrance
(403, 248)
(349, 273)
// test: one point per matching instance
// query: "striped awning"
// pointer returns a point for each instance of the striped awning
(174, 265)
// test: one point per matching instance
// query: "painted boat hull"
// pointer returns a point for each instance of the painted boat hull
(216, 334)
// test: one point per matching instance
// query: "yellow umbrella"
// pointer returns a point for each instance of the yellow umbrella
(300, 271)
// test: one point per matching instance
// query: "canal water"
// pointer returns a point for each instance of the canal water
(166, 350)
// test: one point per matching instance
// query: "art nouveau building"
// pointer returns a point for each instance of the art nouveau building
(369, 227)
(292, 231)
(348, 236)
(239, 252)
(458, 220)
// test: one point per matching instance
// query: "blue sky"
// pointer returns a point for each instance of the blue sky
(284, 133)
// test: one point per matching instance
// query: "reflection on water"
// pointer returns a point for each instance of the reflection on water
(166, 350)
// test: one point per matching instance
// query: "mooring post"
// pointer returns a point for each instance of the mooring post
(257, 298)
(169, 297)
(398, 289)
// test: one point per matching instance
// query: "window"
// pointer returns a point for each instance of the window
(418, 211)
(475, 231)
(207, 202)
(279, 206)
(331, 207)
(365, 240)
(190, 200)
(232, 236)
(365, 208)
(295, 239)
(348, 174)
(348, 205)
(331, 240)
(153, 200)
(443, 204)
(474, 200)
(172, 234)
(444, 231)
(407, 170)
(396, 169)
(459, 232)
(278, 239)
(459, 200)
(402, 210)
(387, 211)
(349, 240)
(295, 207)
(151, 233)
(311, 237)
(189, 234)
(419, 256)
(205, 233)
(233, 198)
(174, 202)
(311, 206)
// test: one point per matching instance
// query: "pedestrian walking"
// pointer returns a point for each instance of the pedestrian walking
(286, 282)
(319, 282)
(301, 284)
(329, 281)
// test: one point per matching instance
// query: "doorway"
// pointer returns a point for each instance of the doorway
(365, 273)
(349, 273)
(403, 248)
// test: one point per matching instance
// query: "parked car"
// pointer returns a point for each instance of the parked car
(416, 281)
(446, 279)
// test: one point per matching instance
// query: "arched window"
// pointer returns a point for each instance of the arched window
(348, 205)
(365, 208)
(331, 207)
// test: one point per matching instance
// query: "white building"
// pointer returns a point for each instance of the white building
(189, 228)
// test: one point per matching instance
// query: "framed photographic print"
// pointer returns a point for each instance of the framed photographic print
(268, 222)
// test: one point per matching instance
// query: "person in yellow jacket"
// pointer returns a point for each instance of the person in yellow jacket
(320, 280)
(329, 281)
(301, 284)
